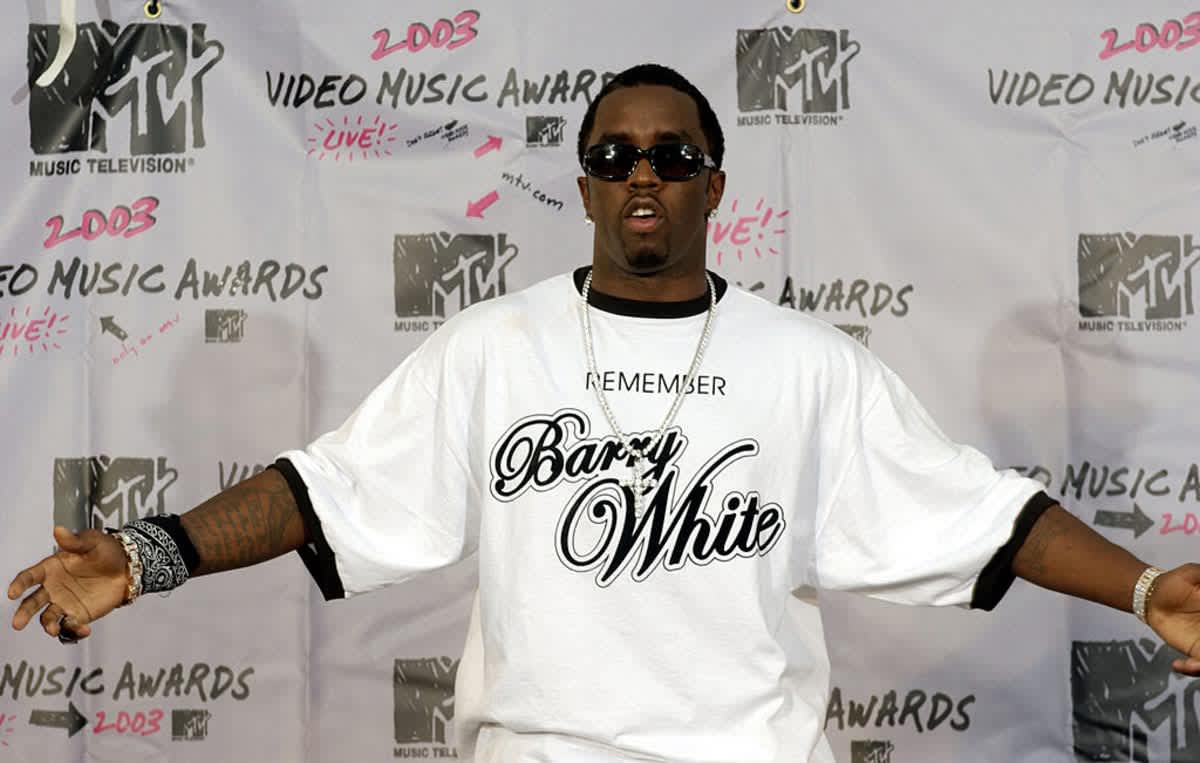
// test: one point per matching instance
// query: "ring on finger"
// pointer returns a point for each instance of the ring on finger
(65, 636)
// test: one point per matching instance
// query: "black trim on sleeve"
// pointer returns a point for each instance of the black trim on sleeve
(317, 554)
(997, 575)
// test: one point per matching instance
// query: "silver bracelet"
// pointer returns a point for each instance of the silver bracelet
(134, 559)
(1143, 589)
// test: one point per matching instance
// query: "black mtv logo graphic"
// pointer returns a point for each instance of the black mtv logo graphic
(871, 752)
(224, 326)
(189, 725)
(1124, 695)
(148, 74)
(424, 691)
(103, 491)
(544, 131)
(439, 274)
(771, 63)
(1144, 277)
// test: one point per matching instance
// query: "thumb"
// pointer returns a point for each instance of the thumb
(69, 541)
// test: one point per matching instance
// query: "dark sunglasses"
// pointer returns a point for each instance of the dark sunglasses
(670, 161)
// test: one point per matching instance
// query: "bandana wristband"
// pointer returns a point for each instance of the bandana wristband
(167, 554)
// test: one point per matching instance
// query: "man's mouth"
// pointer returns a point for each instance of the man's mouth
(643, 216)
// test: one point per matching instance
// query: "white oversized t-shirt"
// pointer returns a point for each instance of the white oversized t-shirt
(797, 460)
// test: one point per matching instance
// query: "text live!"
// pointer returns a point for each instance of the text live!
(1174, 35)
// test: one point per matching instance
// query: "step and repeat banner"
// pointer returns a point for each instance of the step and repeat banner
(223, 225)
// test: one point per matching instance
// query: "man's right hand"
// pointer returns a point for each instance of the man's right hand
(84, 581)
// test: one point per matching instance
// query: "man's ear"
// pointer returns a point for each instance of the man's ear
(716, 189)
(584, 197)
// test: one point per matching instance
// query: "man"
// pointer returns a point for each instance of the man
(647, 462)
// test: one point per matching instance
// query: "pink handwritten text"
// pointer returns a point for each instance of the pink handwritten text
(444, 34)
(30, 333)
(6, 726)
(121, 221)
(371, 139)
(746, 230)
(134, 348)
(141, 723)
(1174, 34)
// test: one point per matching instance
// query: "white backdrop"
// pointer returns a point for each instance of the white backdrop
(222, 227)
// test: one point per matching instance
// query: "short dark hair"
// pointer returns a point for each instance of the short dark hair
(656, 74)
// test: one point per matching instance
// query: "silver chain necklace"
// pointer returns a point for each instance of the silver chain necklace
(638, 482)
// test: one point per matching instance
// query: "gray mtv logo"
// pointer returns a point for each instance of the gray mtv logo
(544, 131)
(152, 72)
(424, 693)
(104, 491)
(862, 751)
(1146, 277)
(1128, 706)
(440, 274)
(771, 63)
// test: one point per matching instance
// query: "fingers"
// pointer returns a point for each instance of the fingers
(26, 579)
(30, 607)
(50, 619)
(1189, 666)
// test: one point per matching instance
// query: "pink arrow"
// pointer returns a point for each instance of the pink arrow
(493, 144)
(475, 208)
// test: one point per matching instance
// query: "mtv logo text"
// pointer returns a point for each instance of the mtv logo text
(108, 492)
(224, 326)
(189, 725)
(144, 79)
(1127, 705)
(440, 274)
(1148, 280)
(424, 693)
(544, 131)
(803, 71)
(871, 752)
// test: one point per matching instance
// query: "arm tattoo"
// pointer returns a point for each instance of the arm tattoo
(251, 522)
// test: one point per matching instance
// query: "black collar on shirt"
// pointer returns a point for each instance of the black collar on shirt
(638, 308)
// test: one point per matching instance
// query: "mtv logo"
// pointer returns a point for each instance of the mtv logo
(1145, 277)
(224, 326)
(544, 131)
(860, 332)
(189, 725)
(440, 274)
(871, 751)
(424, 699)
(772, 62)
(1128, 705)
(147, 74)
(104, 491)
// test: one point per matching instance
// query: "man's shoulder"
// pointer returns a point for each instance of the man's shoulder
(780, 324)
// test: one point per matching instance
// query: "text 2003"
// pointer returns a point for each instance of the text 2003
(445, 33)
(1176, 34)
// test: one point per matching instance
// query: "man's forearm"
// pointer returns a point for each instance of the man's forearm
(253, 521)
(1064, 554)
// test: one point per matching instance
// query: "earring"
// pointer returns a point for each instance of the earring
(587, 219)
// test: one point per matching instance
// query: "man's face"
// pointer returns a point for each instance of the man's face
(646, 115)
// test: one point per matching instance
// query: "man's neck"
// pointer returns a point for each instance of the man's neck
(675, 286)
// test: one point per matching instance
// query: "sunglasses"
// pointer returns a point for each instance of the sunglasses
(670, 161)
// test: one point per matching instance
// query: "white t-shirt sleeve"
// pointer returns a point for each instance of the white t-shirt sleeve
(391, 488)
(904, 514)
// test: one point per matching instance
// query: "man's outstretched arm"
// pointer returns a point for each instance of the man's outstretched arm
(253, 521)
(1064, 554)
